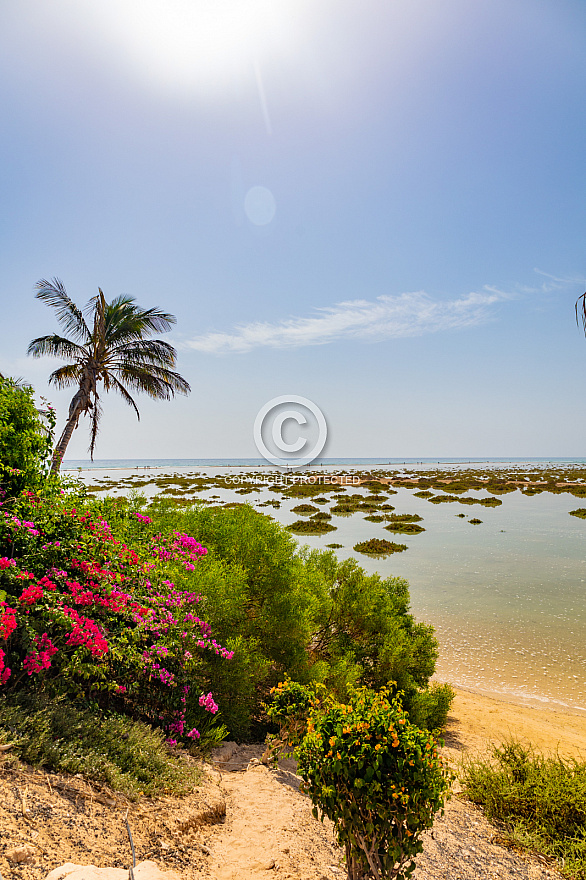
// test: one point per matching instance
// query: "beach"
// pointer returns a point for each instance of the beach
(476, 721)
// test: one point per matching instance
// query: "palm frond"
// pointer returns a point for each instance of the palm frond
(68, 314)
(125, 321)
(56, 346)
(581, 311)
(68, 374)
(144, 351)
(151, 320)
(96, 410)
(157, 382)
(122, 390)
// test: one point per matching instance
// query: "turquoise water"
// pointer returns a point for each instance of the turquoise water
(507, 598)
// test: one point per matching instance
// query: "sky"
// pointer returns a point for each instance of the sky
(379, 207)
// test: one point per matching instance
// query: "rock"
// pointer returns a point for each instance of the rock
(21, 854)
(143, 871)
(268, 866)
(222, 755)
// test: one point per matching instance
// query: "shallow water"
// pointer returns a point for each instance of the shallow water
(507, 598)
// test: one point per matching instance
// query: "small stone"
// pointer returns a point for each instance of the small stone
(21, 854)
(143, 871)
(268, 866)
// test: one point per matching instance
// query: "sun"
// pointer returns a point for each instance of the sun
(199, 45)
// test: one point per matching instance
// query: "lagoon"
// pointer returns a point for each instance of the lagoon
(507, 597)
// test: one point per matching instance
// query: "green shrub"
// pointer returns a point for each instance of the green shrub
(259, 599)
(129, 756)
(428, 708)
(307, 490)
(375, 486)
(375, 775)
(286, 611)
(364, 634)
(541, 801)
(379, 547)
(404, 528)
(26, 439)
(405, 517)
(311, 527)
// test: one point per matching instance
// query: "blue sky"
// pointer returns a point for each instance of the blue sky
(380, 207)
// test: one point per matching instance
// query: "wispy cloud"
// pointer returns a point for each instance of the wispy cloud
(386, 317)
(552, 283)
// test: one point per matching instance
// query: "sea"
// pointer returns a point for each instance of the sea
(506, 597)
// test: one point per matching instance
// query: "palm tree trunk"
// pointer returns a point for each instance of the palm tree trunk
(78, 405)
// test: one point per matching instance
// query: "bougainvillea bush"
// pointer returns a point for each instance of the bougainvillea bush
(376, 776)
(97, 604)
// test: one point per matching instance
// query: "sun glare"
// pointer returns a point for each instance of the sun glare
(194, 45)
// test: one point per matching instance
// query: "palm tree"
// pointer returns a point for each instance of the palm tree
(111, 348)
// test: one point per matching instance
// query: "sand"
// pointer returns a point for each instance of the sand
(476, 721)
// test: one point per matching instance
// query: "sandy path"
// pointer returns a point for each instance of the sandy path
(269, 826)
(269, 830)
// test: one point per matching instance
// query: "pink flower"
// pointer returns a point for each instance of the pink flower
(206, 701)
(7, 622)
(40, 654)
(30, 595)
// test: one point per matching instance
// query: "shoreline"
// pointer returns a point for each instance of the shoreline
(523, 700)
(476, 721)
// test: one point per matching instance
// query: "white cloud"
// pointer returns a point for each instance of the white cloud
(386, 317)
